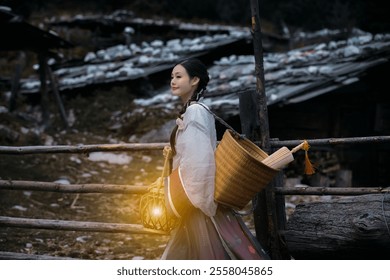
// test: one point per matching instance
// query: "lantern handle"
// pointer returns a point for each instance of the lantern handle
(167, 152)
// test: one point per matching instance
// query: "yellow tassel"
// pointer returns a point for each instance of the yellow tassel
(309, 168)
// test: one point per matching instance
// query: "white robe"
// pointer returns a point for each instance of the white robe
(195, 146)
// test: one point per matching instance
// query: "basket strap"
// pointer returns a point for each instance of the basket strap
(221, 120)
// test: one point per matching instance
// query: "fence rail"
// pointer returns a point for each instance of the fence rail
(71, 188)
(76, 225)
(82, 149)
(131, 189)
(330, 191)
(135, 189)
(22, 256)
(85, 149)
(332, 141)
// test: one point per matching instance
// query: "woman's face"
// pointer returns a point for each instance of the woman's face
(181, 84)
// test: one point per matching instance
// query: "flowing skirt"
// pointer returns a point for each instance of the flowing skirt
(222, 237)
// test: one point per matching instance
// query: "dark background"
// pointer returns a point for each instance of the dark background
(308, 15)
(105, 115)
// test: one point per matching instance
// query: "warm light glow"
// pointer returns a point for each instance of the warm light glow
(157, 211)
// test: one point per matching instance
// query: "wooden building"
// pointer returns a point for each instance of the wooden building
(359, 109)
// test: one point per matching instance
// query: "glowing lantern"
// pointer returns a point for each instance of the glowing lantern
(153, 211)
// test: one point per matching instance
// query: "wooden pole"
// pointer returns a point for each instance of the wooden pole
(75, 225)
(44, 97)
(267, 212)
(71, 188)
(23, 256)
(248, 113)
(331, 191)
(332, 141)
(15, 86)
(20, 185)
(247, 129)
(81, 149)
(57, 96)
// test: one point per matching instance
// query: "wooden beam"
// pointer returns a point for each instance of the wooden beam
(330, 190)
(346, 228)
(81, 149)
(43, 89)
(267, 208)
(332, 141)
(22, 256)
(159, 146)
(54, 88)
(133, 189)
(15, 86)
(71, 188)
(75, 225)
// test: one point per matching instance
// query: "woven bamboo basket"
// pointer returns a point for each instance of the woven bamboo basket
(153, 211)
(240, 172)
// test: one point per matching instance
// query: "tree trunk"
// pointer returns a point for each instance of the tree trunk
(346, 228)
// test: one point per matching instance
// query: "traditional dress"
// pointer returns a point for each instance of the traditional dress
(208, 230)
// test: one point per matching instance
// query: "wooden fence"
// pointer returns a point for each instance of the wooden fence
(133, 189)
(271, 213)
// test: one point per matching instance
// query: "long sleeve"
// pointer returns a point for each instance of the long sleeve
(195, 146)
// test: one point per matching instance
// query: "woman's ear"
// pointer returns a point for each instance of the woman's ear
(195, 81)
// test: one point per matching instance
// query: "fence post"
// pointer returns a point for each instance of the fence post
(267, 212)
(42, 58)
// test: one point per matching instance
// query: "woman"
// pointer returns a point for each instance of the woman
(207, 230)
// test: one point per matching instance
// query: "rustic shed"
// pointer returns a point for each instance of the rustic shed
(355, 110)
(328, 90)
(20, 36)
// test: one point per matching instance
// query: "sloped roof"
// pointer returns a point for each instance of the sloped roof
(290, 77)
(300, 74)
(17, 34)
(123, 63)
(293, 76)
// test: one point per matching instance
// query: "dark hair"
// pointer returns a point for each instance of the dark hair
(194, 68)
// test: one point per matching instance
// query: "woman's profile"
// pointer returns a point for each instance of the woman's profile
(206, 229)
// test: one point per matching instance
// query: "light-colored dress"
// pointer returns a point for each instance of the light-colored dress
(208, 230)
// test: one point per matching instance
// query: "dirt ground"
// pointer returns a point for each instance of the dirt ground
(99, 118)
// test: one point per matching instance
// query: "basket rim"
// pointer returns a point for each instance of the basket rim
(229, 134)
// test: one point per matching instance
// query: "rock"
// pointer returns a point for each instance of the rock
(161, 134)
(8, 135)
